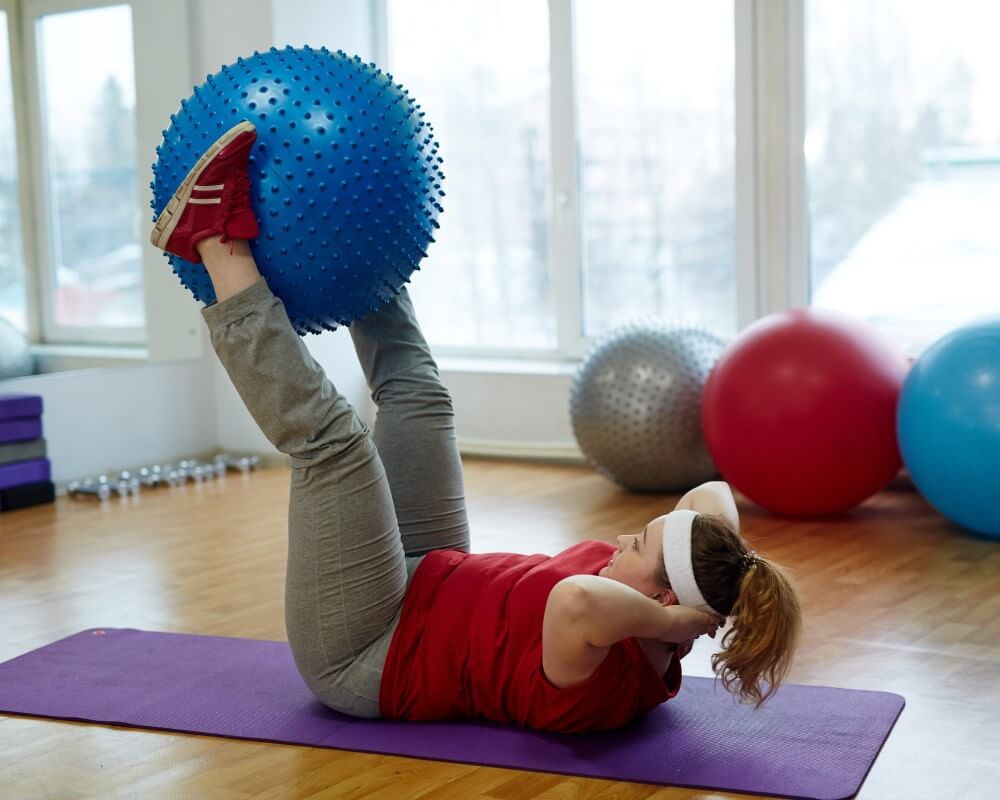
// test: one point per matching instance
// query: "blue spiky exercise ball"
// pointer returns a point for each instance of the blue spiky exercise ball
(345, 178)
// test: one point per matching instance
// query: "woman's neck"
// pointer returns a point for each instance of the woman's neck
(659, 654)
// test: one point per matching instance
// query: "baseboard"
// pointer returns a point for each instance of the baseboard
(521, 450)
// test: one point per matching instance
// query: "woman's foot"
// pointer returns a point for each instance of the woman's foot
(212, 200)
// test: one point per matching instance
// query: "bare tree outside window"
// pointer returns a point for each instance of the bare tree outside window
(903, 158)
(656, 113)
(88, 104)
(481, 72)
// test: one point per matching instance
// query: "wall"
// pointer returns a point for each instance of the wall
(103, 420)
(516, 410)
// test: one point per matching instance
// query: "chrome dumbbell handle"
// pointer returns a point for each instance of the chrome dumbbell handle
(244, 464)
(101, 491)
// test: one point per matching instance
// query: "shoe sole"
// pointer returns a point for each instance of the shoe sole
(171, 214)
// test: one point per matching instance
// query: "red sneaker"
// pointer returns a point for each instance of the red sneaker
(221, 206)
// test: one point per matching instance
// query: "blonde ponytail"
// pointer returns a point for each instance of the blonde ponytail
(765, 624)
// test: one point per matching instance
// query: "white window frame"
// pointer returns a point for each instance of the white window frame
(772, 263)
(771, 217)
(163, 76)
(24, 200)
(566, 253)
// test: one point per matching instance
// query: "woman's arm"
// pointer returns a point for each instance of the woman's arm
(609, 611)
(714, 497)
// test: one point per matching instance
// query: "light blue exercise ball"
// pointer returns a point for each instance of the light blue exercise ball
(948, 424)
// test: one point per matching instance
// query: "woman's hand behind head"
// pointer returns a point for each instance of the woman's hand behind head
(682, 624)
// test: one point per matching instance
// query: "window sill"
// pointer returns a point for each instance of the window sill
(483, 365)
(61, 357)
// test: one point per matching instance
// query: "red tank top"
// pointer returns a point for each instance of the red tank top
(469, 644)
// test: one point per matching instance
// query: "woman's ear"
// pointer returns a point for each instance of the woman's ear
(668, 598)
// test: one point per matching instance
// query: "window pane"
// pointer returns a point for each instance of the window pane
(12, 294)
(480, 71)
(88, 106)
(903, 152)
(657, 141)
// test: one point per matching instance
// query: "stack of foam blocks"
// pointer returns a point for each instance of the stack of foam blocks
(25, 472)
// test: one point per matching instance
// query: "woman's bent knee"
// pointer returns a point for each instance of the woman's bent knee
(344, 701)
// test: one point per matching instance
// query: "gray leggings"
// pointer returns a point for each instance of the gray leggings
(364, 507)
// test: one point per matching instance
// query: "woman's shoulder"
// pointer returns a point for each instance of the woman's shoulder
(588, 545)
(586, 554)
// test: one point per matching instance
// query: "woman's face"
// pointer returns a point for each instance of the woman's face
(638, 560)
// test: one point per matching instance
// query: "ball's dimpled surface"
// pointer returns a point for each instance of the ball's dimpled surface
(635, 405)
(949, 426)
(345, 178)
(800, 411)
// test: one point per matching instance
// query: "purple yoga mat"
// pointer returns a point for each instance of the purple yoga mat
(807, 741)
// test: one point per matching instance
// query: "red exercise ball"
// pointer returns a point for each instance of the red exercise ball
(799, 413)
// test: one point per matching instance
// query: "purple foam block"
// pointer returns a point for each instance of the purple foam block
(20, 405)
(21, 429)
(806, 742)
(22, 472)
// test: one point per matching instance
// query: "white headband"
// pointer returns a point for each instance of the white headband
(677, 559)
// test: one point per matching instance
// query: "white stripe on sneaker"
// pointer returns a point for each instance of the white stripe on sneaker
(205, 201)
(213, 188)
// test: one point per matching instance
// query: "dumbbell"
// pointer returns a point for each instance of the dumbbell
(102, 487)
(243, 464)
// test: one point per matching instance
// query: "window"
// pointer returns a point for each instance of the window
(576, 198)
(77, 272)
(595, 173)
(12, 286)
(655, 103)
(487, 282)
(92, 213)
(903, 153)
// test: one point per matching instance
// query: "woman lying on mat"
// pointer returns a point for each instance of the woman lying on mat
(387, 613)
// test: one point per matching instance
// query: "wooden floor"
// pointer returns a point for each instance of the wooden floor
(895, 597)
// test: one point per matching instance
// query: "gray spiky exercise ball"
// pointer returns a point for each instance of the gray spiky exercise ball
(16, 360)
(635, 405)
